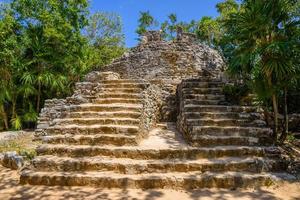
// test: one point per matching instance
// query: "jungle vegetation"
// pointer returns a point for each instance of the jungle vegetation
(48, 45)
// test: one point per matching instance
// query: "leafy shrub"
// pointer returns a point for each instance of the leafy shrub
(27, 153)
(236, 93)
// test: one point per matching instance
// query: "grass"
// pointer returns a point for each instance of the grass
(23, 145)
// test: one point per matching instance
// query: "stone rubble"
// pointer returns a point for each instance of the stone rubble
(12, 160)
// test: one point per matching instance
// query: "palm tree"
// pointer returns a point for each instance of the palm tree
(3, 113)
(263, 45)
(172, 26)
(146, 21)
(40, 74)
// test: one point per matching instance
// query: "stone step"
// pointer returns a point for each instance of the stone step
(124, 85)
(203, 102)
(202, 90)
(88, 97)
(119, 114)
(218, 97)
(117, 100)
(95, 121)
(218, 108)
(124, 81)
(96, 139)
(179, 180)
(202, 79)
(149, 153)
(226, 122)
(93, 129)
(208, 140)
(122, 90)
(120, 95)
(188, 84)
(231, 131)
(132, 166)
(218, 115)
(165, 125)
(106, 107)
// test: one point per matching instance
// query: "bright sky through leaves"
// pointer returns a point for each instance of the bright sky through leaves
(186, 10)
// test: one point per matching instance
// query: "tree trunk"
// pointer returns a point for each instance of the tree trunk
(275, 110)
(4, 116)
(266, 115)
(286, 119)
(14, 114)
(38, 101)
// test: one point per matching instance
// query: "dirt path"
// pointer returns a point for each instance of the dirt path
(10, 189)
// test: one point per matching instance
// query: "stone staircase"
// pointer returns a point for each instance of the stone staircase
(162, 160)
(206, 119)
(102, 144)
(111, 118)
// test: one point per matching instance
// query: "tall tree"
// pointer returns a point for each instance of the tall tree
(226, 8)
(211, 30)
(208, 31)
(265, 35)
(11, 50)
(42, 52)
(105, 29)
(172, 28)
(45, 49)
(54, 41)
(105, 37)
(146, 22)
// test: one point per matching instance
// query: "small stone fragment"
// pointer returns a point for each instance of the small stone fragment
(12, 160)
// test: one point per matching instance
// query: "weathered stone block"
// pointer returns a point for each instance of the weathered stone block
(12, 160)
(1, 158)
(96, 76)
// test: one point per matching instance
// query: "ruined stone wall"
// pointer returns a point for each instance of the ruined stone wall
(162, 63)
(152, 101)
(165, 64)
(166, 88)
(181, 118)
(154, 58)
(84, 92)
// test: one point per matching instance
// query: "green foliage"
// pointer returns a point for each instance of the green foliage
(235, 93)
(209, 31)
(45, 47)
(264, 36)
(105, 37)
(105, 29)
(16, 123)
(169, 27)
(28, 154)
(260, 42)
(227, 8)
(189, 27)
(290, 138)
(146, 22)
